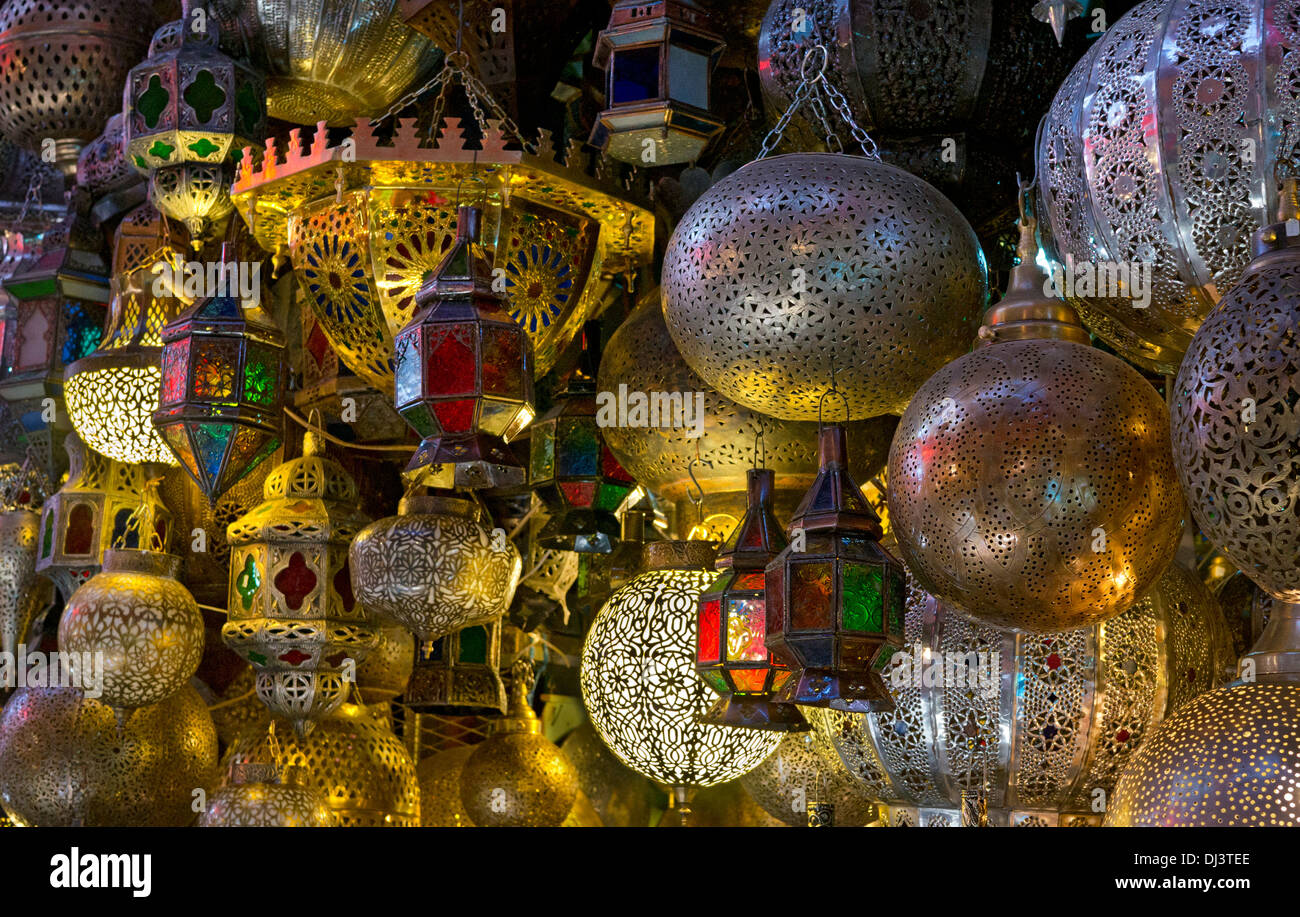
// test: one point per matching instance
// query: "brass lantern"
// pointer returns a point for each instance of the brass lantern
(291, 610)
(464, 370)
(731, 655)
(21, 592)
(461, 670)
(573, 469)
(660, 58)
(260, 796)
(223, 371)
(89, 512)
(835, 597)
(190, 109)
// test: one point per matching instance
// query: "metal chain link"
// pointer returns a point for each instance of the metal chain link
(812, 86)
(33, 195)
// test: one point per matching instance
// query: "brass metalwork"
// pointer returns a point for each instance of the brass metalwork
(435, 567)
(256, 797)
(66, 761)
(22, 592)
(805, 771)
(1061, 717)
(383, 674)
(789, 270)
(439, 776)
(365, 223)
(621, 797)
(642, 356)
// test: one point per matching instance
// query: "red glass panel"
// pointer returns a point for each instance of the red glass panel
(81, 530)
(502, 365)
(451, 360)
(779, 679)
(810, 596)
(455, 416)
(343, 586)
(296, 581)
(749, 581)
(610, 467)
(579, 493)
(710, 631)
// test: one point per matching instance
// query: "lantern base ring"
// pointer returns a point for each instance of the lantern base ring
(755, 713)
(857, 692)
(587, 531)
(468, 461)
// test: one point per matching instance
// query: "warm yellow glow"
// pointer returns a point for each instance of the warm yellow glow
(112, 410)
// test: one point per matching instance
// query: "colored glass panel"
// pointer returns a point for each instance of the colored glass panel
(47, 528)
(502, 363)
(210, 442)
(153, 101)
(474, 645)
(178, 439)
(175, 369)
(542, 452)
(406, 355)
(455, 416)
(343, 586)
(214, 370)
(856, 653)
(204, 96)
(746, 627)
(715, 680)
(749, 581)
(260, 376)
(451, 360)
(248, 582)
(749, 681)
(577, 449)
(863, 601)
(897, 599)
(296, 581)
(609, 495)
(417, 415)
(710, 631)
(81, 530)
(810, 596)
(578, 493)
(779, 679)
(610, 467)
(497, 417)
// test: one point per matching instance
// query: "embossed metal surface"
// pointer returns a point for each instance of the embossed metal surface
(803, 770)
(65, 761)
(643, 694)
(1236, 424)
(1031, 484)
(797, 264)
(265, 803)
(1062, 719)
(1159, 148)
(641, 355)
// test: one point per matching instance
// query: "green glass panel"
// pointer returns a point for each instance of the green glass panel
(161, 150)
(248, 582)
(204, 96)
(248, 108)
(897, 599)
(542, 456)
(259, 377)
(203, 148)
(152, 102)
(473, 645)
(863, 599)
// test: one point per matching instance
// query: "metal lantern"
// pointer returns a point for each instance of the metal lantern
(573, 469)
(352, 758)
(112, 392)
(256, 796)
(1231, 757)
(516, 777)
(62, 65)
(104, 171)
(439, 776)
(189, 110)
(1036, 727)
(383, 674)
(358, 61)
(223, 371)
(835, 597)
(641, 357)
(66, 761)
(291, 610)
(435, 568)
(805, 776)
(1031, 482)
(464, 369)
(461, 671)
(21, 592)
(640, 685)
(659, 57)
(1221, 81)
(140, 621)
(731, 655)
(790, 270)
(1234, 416)
(366, 222)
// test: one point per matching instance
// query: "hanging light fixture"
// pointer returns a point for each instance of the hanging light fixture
(136, 617)
(435, 567)
(731, 655)
(835, 597)
(21, 592)
(291, 611)
(461, 671)
(1031, 481)
(464, 371)
(572, 468)
(190, 109)
(220, 406)
(260, 796)
(639, 681)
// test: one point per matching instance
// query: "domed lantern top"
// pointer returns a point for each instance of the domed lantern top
(464, 370)
(223, 375)
(659, 57)
(835, 597)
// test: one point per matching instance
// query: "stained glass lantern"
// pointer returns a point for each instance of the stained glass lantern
(835, 597)
(731, 655)
(88, 513)
(190, 109)
(220, 405)
(291, 611)
(464, 370)
(461, 671)
(659, 57)
(572, 468)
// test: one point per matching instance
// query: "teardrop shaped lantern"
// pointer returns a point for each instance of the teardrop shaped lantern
(223, 370)
(572, 468)
(464, 370)
(835, 597)
(189, 109)
(731, 654)
(292, 614)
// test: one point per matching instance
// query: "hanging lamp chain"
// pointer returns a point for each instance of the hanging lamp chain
(816, 91)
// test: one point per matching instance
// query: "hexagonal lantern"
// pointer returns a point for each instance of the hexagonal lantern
(291, 611)
(464, 371)
(835, 597)
(189, 109)
(461, 671)
(572, 468)
(659, 56)
(730, 651)
(223, 371)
